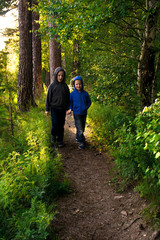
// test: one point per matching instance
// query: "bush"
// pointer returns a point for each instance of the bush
(148, 134)
(128, 152)
(31, 177)
(135, 144)
(104, 120)
(137, 151)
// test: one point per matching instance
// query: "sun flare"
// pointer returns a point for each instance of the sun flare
(9, 20)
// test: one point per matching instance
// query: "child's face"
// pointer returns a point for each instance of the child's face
(78, 85)
(60, 76)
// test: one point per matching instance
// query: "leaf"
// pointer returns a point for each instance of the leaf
(146, 146)
(157, 155)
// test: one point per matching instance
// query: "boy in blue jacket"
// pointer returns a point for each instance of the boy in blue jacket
(79, 104)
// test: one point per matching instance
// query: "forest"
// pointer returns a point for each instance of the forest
(115, 46)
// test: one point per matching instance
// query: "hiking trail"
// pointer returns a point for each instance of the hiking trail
(94, 210)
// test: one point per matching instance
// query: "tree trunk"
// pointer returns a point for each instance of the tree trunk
(146, 65)
(25, 80)
(154, 82)
(54, 53)
(76, 62)
(47, 78)
(36, 51)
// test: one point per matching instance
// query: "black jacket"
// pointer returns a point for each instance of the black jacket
(58, 93)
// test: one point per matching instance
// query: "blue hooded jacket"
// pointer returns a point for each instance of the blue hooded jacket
(79, 101)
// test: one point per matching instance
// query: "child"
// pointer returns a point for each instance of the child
(57, 101)
(79, 103)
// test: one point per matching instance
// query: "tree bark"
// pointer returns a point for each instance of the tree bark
(36, 52)
(54, 53)
(146, 65)
(25, 79)
(154, 82)
(47, 78)
(76, 62)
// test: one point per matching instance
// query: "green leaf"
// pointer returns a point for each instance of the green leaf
(157, 155)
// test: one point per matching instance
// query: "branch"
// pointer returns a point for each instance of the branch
(132, 223)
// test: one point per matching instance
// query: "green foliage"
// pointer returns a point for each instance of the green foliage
(110, 36)
(135, 144)
(114, 85)
(33, 223)
(105, 120)
(8, 88)
(5, 4)
(152, 214)
(128, 152)
(148, 134)
(137, 151)
(31, 177)
(148, 128)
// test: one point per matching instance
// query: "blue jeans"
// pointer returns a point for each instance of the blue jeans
(58, 121)
(80, 122)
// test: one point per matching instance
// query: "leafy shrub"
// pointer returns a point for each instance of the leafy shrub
(148, 134)
(128, 152)
(137, 151)
(104, 120)
(33, 223)
(148, 128)
(30, 179)
(134, 144)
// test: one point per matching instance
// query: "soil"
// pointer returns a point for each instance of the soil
(94, 210)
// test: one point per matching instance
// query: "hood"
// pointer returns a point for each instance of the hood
(58, 69)
(78, 78)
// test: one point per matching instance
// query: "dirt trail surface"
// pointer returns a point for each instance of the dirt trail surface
(94, 210)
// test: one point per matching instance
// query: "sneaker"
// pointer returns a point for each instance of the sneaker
(81, 146)
(61, 144)
(77, 140)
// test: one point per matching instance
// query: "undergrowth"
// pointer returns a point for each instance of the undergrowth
(31, 178)
(135, 145)
(104, 120)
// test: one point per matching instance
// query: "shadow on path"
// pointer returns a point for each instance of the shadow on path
(94, 211)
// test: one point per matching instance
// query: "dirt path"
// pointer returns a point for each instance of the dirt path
(94, 211)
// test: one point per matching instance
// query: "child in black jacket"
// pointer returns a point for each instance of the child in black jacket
(57, 101)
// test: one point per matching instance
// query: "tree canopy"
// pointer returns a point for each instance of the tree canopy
(111, 36)
(4, 5)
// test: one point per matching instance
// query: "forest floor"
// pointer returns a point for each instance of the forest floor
(94, 210)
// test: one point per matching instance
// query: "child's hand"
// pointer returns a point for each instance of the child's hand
(47, 113)
(69, 111)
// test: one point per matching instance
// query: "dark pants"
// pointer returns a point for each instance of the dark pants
(58, 121)
(80, 122)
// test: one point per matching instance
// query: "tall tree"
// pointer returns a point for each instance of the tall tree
(54, 51)
(25, 76)
(76, 60)
(146, 64)
(36, 52)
